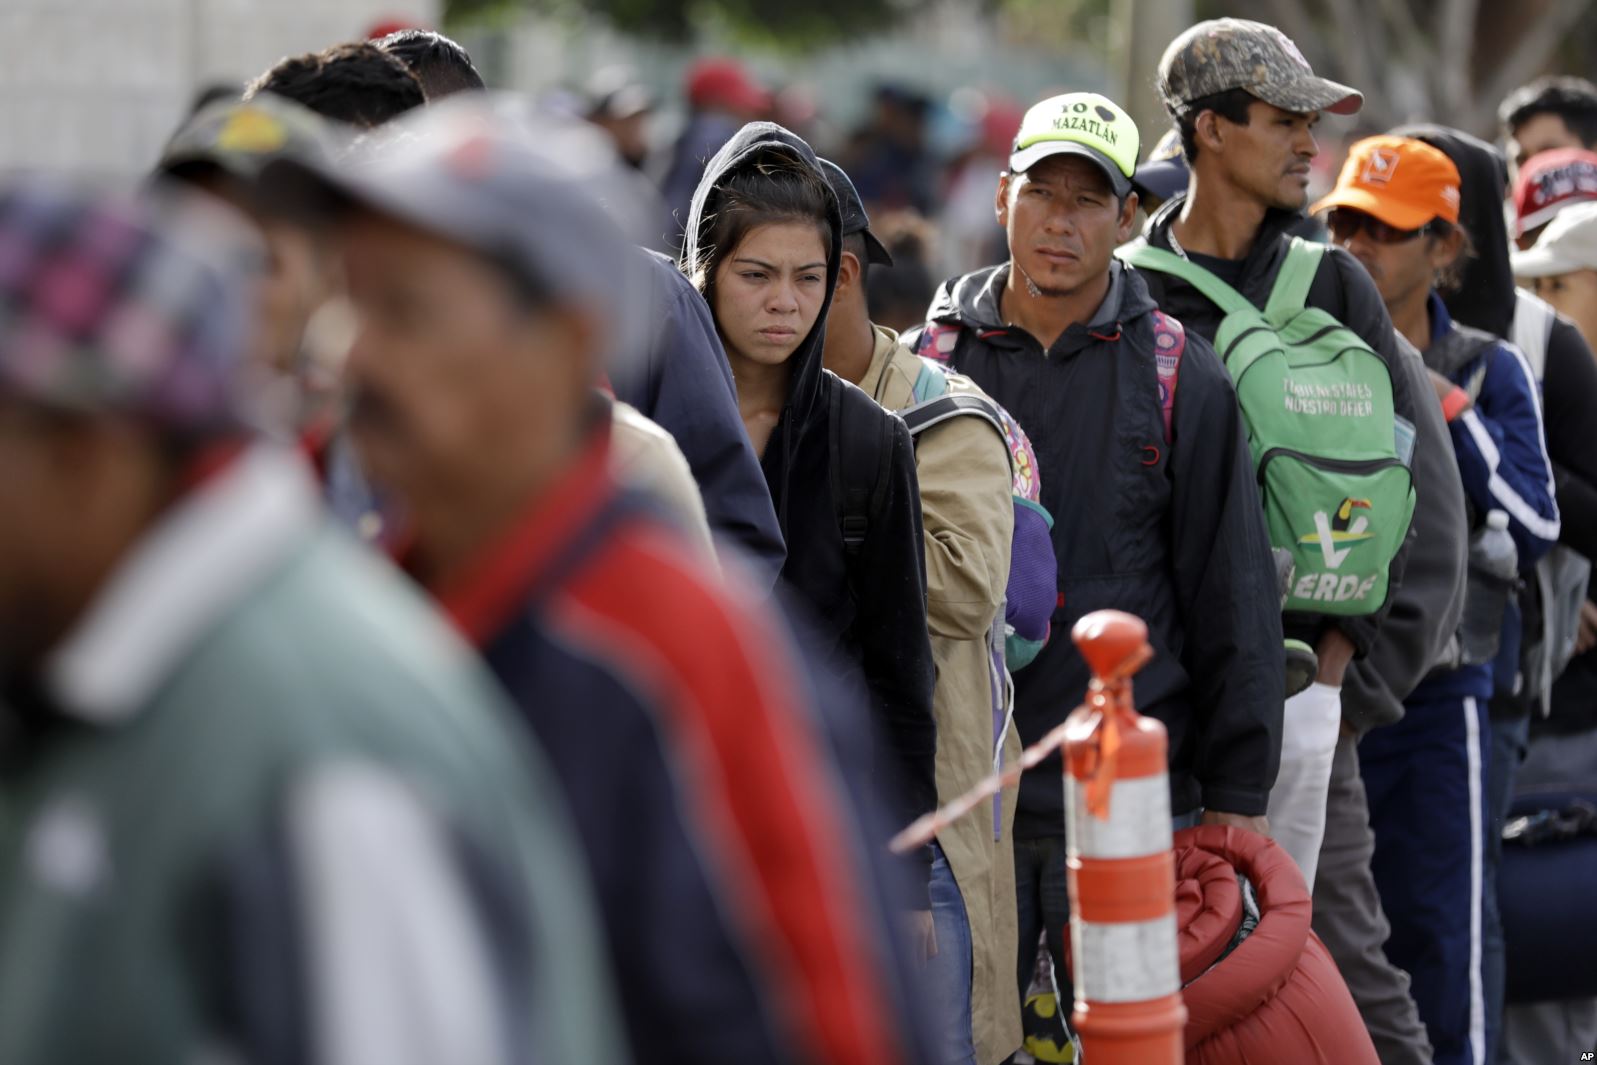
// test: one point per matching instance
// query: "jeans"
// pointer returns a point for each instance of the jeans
(948, 972)
(1510, 736)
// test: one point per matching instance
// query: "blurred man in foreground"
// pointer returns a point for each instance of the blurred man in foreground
(492, 289)
(259, 804)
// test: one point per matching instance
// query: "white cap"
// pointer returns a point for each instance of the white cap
(1569, 243)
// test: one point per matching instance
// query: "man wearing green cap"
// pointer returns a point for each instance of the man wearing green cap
(1151, 487)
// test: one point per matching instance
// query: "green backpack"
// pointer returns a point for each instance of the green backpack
(1330, 453)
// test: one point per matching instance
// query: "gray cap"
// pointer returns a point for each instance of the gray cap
(527, 190)
(1230, 53)
(243, 137)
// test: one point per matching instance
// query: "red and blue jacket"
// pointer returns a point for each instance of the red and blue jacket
(744, 919)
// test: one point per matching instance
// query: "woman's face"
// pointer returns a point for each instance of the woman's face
(1574, 295)
(769, 291)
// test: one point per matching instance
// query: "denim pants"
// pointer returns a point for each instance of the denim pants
(1510, 736)
(1044, 897)
(948, 972)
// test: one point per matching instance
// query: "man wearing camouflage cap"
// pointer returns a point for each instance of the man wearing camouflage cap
(1246, 103)
(259, 804)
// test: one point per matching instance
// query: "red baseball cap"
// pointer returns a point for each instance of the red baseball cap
(725, 82)
(1401, 181)
(1551, 181)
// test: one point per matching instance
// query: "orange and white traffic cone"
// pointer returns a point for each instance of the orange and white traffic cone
(1125, 961)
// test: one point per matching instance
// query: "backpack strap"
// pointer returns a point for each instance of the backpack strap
(937, 341)
(930, 382)
(1169, 344)
(854, 498)
(1145, 256)
(1296, 277)
(935, 411)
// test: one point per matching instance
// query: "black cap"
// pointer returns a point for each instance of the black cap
(855, 219)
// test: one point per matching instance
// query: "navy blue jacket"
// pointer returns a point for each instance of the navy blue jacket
(685, 385)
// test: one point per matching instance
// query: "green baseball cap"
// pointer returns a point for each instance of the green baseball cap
(1084, 124)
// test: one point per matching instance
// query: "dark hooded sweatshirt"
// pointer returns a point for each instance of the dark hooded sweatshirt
(1341, 289)
(1173, 533)
(877, 631)
(1486, 301)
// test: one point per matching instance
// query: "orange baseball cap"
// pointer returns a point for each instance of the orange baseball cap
(1401, 181)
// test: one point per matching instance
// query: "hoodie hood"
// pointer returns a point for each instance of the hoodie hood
(753, 143)
(1486, 298)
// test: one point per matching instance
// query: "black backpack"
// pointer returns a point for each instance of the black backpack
(859, 485)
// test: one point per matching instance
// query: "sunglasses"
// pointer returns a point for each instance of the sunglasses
(1345, 224)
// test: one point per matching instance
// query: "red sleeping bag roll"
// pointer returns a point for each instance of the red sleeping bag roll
(1276, 998)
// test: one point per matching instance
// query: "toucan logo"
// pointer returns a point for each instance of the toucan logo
(1331, 532)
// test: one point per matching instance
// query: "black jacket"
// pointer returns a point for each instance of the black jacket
(1174, 534)
(877, 631)
(684, 384)
(1342, 289)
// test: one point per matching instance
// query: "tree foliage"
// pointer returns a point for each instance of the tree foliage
(776, 23)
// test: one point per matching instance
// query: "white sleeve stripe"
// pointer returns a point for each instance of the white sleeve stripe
(1501, 490)
(399, 971)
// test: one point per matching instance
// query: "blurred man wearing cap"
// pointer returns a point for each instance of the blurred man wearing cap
(1547, 184)
(224, 150)
(1396, 207)
(969, 518)
(1246, 103)
(261, 805)
(492, 288)
(1066, 338)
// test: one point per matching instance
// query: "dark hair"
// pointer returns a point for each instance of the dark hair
(1572, 99)
(1231, 105)
(1450, 278)
(776, 188)
(440, 64)
(359, 84)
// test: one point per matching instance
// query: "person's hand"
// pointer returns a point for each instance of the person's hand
(922, 933)
(1335, 652)
(1260, 824)
(1586, 638)
(1442, 385)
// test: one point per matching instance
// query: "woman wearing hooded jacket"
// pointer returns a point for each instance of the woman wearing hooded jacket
(763, 242)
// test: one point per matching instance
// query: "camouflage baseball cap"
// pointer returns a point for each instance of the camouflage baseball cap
(242, 137)
(1230, 53)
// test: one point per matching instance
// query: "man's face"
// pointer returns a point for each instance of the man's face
(74, 497)
(1401, 268)
(458, 390)
(1538, 134)
(1269, 157)
(1063, 221)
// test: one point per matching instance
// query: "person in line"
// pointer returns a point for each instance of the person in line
(1396, 207)
(261, 803)
(358, 84)
(1551, 602)
(1546, 185)
(741, 910)
(963, 468)
(440, 64)
(1154, 505)
(722, 97)
(764, 246)
(1246, 103)
(1550, 113)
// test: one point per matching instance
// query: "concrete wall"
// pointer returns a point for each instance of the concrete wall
(96, 86)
